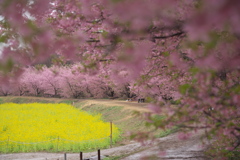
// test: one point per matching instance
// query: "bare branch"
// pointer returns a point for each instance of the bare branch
(93, 40)
(168, 36)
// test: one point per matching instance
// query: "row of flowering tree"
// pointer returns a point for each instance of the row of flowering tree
(65, 82)
(180, 49)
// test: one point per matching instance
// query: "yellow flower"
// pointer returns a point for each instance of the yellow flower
(53, 127)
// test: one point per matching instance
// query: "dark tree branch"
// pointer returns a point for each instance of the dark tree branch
(104, 60)
(92, 40)
(211, 116)
(168, 36)
(194, 127)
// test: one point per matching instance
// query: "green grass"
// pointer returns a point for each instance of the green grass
(21, 100)
(167, 132)
(108, 113)
(67, 101)
(113, 158)
(124, 119)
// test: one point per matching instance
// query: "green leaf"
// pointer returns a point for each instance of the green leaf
(236, 89)
(3, 38)
(165, 54)
(9, 65)
(194, 70)
(116, 1)
(184, 88)
(104, 33)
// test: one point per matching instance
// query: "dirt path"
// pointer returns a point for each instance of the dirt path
(141, 107)
(171, 147)
(174, 148)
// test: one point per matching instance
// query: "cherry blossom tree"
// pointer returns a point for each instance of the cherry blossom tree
(33, 80)
(19, 88)
(180, 49)
(51, 81)
(5, 90)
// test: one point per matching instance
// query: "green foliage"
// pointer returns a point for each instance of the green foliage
(214, 40)
(67, 101)
(230, 155)
(3, 38)
(167, 132)
(7, 66)
(184, 88)
(108, 113)
(20, 100)
(218, 148)
(39, 67)
(149, 99)
(157, 121)
(175, 102)
(236, 89)
(165, 54)
(105, 34)
(194, 70)
(194, 44)
(198, 4)
(113, 158)
(116, 1)
(57, 60)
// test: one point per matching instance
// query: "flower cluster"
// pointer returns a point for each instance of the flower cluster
(26, 127)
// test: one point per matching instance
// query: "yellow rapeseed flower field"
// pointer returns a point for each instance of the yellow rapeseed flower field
(51, 127)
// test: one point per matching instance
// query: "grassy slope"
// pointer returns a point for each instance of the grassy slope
(120, 115)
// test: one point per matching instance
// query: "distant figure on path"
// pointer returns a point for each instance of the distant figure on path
(129, 99)
(141, 100)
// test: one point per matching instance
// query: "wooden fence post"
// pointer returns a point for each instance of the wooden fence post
(81, 156)
(57, 143)
(65, 156)
(99, 155)
(8, 145)
(111, 134)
